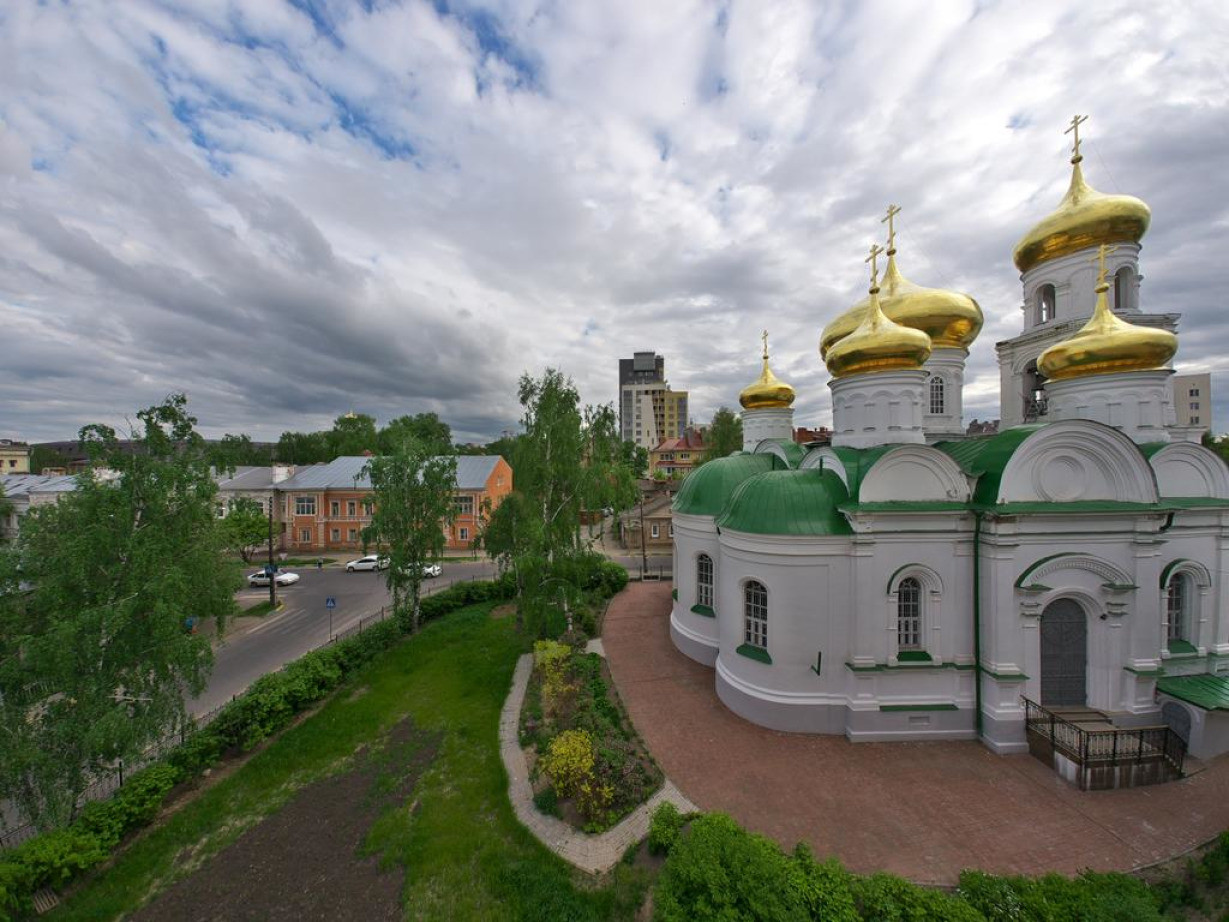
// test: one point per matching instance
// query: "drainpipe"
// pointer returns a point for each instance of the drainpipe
(977, 515)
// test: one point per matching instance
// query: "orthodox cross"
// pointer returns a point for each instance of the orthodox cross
(873, 259)
(890, 218)
(1099, 259)
(1076, 122)
(764, 337)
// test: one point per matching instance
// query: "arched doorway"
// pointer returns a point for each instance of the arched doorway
(1064, 655)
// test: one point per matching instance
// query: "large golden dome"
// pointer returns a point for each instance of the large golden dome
(877, 343)
(1107, 344)
(768, 391)
(1083, 219)
(949, 318)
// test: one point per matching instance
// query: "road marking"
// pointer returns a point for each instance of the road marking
(269, 622)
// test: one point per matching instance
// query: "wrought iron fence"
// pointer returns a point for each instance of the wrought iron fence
(1095, 751)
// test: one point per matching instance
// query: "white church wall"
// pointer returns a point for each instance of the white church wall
(1076, 461)
(1137, 403)
(1186, 469)
(694, 634)
(915, 473)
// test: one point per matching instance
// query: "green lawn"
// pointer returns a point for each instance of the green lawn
(466, 855)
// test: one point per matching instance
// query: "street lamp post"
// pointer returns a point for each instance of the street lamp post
(272, 573)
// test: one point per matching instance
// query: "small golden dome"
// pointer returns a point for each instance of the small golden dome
(949, 318)
(769, 391)
(1107, 344)
(1083, 219)
(877, 343)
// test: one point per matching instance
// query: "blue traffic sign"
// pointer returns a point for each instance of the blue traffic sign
(330, 602)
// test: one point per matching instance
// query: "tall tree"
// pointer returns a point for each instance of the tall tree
(352, 434)
(723, 437)
(635, 458)
(94, 658)
(303, 448)
(427, 428)
(232, 451)
(244, 529)
(413, 490)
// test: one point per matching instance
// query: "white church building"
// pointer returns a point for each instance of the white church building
(909, 583)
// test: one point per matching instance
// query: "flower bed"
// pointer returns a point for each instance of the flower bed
(589, 766)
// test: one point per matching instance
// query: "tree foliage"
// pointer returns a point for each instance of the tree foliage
(427, 428)
(303, 448)
(412, 488)
(352, 434)
(232, 451)
(723, 436)
(94, 657)
(244, 529)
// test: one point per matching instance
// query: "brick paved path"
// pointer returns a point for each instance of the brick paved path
(922, 810)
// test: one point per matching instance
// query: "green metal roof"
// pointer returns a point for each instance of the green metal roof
(709, 487)
(1210, 692)
(857, 463)
(794, 453)
(1148, 449)
(985, 457)
(788, 503)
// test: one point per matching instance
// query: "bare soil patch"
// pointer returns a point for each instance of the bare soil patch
(504, 611)
(303, 863)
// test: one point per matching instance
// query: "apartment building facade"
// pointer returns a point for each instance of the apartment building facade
(1193, 400)
(649, 409)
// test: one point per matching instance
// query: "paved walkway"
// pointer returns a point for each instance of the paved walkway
(922, 810)
(594, 854)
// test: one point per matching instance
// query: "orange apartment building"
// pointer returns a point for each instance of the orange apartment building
(325, 507)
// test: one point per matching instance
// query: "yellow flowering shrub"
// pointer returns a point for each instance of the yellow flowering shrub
(551, 660)
(568, 762)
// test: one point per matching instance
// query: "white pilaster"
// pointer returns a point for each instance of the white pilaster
(878, 408)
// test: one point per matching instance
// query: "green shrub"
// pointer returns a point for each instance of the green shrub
(824, 890)
(664, 828)
(547, 801)
(885, 898)
(1091, 897)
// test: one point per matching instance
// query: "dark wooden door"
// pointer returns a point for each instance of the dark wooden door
(1064, 655)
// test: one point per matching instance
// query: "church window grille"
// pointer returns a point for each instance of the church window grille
(1177, 606)
(704, 580)
(937, 395)
(1045, 304)
(909, 614)
(755, 612)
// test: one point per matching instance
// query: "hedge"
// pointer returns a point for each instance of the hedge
(54, 858)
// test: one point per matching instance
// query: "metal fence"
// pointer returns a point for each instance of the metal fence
(1104, 758)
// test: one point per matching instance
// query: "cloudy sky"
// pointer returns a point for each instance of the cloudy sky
(293, 209)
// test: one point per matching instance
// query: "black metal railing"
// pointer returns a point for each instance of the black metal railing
(1150, 754)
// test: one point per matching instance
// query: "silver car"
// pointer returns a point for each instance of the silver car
(370, 562)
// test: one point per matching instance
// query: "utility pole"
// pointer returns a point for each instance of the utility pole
(269, 569)
(644, 548)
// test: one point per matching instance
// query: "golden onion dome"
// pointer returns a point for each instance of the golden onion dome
(1107, 344)
(951, 319)
(1084, 218)
(877, 343)
(768, 391)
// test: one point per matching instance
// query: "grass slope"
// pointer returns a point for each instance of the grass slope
(465, 854)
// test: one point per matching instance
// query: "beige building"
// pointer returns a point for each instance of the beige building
(1193, 400)
(14, 457)
(649, 410)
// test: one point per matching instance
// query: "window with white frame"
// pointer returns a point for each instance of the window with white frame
(704, 581)
(305, 505)
(1194, 404)
(1178, 609)
(464, 534)
(654, 530)
(463, 505)
(351, 508)
(305, 536)
(335, 508)
(909, 614)
(1194, 392)
(937, 401)
(755, 615)
(352, 535)
(336, 534)
(1045, 303)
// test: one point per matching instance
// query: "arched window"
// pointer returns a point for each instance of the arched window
(1034, 393)
(937, 402)
(909, 614)
(704, 580)
(1178, 610)
(1122, 289)
(1045, 303)
(755, 615)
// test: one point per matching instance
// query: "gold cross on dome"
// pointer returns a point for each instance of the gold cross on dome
(764, 337)
(1076, 122)
(873, 259)
(1102, 252)
(890, 218)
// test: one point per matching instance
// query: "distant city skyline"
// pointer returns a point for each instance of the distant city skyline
(288, 211)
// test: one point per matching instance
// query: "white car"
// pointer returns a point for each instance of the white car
(283, 578)
(431, 569)
(370, 562)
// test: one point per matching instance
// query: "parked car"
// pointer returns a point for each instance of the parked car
(431, 569)
(370, 562)
(283, 578)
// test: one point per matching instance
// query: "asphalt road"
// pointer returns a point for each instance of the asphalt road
(254, 647)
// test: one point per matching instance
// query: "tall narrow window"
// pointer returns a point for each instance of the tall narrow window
(704, 581)
(936, 395)
(1122, 289)
(909, 614)
(1045, 303)
(1177, 604)
(755, 615)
